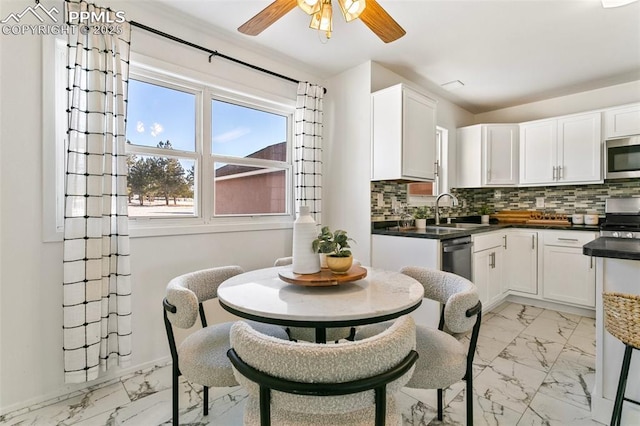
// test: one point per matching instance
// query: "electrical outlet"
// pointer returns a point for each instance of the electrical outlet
(497, 194)
(380, 199)
(540, 202)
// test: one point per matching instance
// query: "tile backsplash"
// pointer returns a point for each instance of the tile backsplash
(561, 199)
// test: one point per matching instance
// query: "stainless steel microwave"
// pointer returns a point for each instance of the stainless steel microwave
(622, 158)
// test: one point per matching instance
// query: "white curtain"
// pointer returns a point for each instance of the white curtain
(308, 149)
(96, 283)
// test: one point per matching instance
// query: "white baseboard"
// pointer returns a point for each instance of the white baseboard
(546, 304)
(67, 391)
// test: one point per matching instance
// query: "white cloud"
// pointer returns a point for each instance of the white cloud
(140, 127)
(156, 129)
(232, 135)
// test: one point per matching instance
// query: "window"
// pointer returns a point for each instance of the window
(243, 174)
(204, 155)
(251, 172)
(161, 150)
(420, 194)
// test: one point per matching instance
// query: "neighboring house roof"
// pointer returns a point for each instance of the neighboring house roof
(276, 152)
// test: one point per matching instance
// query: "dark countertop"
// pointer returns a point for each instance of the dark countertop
(382, 228)
(615, 248)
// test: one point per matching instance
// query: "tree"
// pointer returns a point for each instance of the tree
(171, 180)
(141, 177)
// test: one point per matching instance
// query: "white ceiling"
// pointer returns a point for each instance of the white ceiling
(506, 52)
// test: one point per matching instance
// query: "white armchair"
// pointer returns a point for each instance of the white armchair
(201, 357)
(303, 384)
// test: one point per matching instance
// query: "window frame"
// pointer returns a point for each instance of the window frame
(153, 70)
(286, 165)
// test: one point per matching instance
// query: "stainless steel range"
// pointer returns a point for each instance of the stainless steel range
(622, 218)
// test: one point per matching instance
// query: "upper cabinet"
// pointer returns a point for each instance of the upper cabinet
(488, 155)
(565, 150)
(622, 121)
(404, 135)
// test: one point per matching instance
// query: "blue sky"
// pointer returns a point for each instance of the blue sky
(159, 114)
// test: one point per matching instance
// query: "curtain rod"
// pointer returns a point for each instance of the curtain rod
(213, 53)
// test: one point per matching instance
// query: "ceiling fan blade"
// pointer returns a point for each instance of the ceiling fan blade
(381, 23)
(267, 16)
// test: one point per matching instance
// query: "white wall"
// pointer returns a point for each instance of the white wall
(31, 367)
(620, 94)
(347, 157)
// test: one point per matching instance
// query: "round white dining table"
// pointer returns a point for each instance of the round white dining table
(262, 296)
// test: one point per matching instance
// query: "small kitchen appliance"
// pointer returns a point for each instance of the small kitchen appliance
(622, 158)
(622, 218)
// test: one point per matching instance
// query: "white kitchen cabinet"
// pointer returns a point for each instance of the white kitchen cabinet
(521, 261)
(488, 266)
(393, 253)
(622, 121)
(564, 150)
(568, 275)
(488, 155)
(403, 135)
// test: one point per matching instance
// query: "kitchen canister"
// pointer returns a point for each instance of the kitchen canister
(305, 261)
(591, 219)
(577, 218)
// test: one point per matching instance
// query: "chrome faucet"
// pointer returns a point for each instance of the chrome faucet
(454, 201)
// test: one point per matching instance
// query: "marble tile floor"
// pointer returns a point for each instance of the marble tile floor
(532, 367)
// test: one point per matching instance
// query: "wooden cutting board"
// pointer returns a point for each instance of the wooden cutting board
(532, 217)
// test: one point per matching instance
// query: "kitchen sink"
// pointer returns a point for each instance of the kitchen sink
(458, 226)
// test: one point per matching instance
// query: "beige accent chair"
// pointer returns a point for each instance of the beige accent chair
(309, 334)
(443, 359)
(303, 383)
(202, 356)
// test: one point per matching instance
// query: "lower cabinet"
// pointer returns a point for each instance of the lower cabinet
(488, 266)
(521, 261)
(568, 275)
(541, 264)
(393, 253)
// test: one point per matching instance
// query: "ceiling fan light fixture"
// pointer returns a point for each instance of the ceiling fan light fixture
(310, 7)
(323, 20)
(351, 9)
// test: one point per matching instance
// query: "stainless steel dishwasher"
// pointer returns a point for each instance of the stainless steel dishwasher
(456, 256)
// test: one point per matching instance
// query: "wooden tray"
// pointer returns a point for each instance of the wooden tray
(324, 278)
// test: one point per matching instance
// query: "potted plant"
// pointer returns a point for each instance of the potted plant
(335, 246)
(484, 211)
(420, 215)
(324, 245)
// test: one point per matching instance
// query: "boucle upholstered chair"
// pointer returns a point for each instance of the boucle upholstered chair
(443, 359)
(202, 356)
(304, 383)
(309, 334)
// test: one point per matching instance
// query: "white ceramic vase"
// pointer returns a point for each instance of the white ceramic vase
(421, 223)
(305, 261)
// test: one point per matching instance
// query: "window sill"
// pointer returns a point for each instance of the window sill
(159, 230)
(154, 230)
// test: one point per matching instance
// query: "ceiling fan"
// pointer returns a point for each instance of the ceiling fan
(321, 11)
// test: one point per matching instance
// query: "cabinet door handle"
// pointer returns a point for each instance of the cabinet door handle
(504, 237)
(435, 168)
(533, 242)
(492, 260)
(560, 172)
(554, 172)
(591, 262)
(488, 175)
(575, 240)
